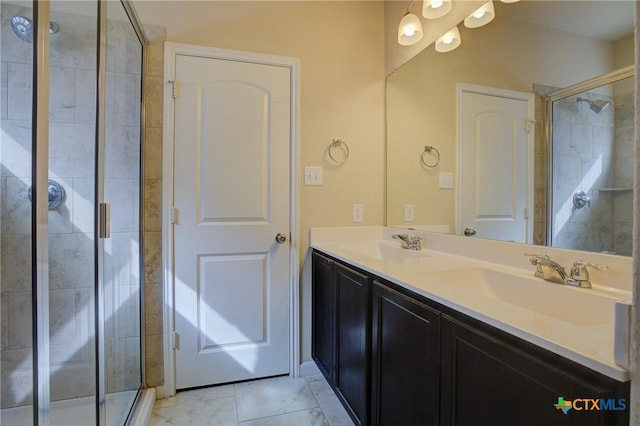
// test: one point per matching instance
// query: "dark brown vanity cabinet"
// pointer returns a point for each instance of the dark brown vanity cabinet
(323, 315)
(405, 359)
(492, 378)
(394, 357)
(340, 344)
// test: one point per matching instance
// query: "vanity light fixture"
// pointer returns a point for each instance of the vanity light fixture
(410, 28)
(434, 9)
(449, 41)
(482, 16)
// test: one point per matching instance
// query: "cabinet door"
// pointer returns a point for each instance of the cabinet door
(352, 341)
(490, 379)
(405, 360)
(323, 315)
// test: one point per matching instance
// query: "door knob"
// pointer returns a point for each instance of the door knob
(469, 232)
(281, 237)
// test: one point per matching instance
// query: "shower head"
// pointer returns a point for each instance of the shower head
(23, 27)
(596, 106)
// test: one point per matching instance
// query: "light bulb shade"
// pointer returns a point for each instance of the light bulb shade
(482, 16)
(409, 30)
(510, 1)
(434, 9)
(449, 41)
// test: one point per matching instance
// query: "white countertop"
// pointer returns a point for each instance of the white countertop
(575, 323)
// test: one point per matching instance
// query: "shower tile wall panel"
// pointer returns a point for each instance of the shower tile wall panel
(3, 90)
(625, 139)
(153, 206)
(72, 139)
(583, 145)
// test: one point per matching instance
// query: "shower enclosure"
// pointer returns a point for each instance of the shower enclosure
(70, 224)
(592, 158)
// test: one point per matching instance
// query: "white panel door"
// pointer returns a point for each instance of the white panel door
(231, 191)
(495, 168)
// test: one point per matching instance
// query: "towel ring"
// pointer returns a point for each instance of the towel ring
(336, 143)
(436, 154)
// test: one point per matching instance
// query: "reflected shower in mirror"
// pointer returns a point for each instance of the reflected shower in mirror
(593, 140)
(531, 49)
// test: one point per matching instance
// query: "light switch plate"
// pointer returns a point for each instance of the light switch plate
(446, 180)
(409, 212)
(312, 176)
(357, 213)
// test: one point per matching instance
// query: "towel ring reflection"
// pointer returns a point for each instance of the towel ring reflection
(436, 153)
(337, 143)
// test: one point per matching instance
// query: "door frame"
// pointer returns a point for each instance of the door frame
(502, 93)
(171, 50)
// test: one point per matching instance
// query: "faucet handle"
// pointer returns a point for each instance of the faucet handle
(534, 257)
(580, 274)
(535, 260)
(404, 240)
(583, 264)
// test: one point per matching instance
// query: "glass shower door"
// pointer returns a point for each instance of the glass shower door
(121, 273)
(73, 43)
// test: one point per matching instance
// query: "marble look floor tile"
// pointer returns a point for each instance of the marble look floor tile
(219, 411)
(333, 410)
(204, 394)
(271, 397)
(312, 417)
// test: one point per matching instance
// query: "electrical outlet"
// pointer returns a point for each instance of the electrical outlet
(409, 212)
(357, 213)
(446, 180)
(312, 176)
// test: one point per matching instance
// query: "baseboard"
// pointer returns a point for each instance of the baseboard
(142, 412)
(308, 368)
(159, 392)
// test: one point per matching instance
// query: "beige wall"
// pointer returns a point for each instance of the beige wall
(341, 50)
(421, 101)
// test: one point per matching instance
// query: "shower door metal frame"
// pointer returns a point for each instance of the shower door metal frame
(40, 216)
(583, 86)
(100, 350)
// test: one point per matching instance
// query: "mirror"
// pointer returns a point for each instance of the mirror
(529, 52)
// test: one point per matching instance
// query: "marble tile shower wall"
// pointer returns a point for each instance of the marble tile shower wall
(583, 146)
(540, 165)
(624, 152)
(72, 129)
(153, 205)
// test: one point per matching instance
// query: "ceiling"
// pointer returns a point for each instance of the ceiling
(607, 20)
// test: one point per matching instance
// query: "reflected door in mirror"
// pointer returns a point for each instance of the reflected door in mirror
(496, 162)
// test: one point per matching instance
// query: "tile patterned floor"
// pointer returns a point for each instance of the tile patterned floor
(279, 401)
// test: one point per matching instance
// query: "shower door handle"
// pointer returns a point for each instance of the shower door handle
(105, 220)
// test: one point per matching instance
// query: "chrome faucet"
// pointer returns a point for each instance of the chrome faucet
(547, 269)
(551, 270)
(407, 242)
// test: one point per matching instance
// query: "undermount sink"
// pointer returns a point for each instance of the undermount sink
(568, 304)
(382, 251)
